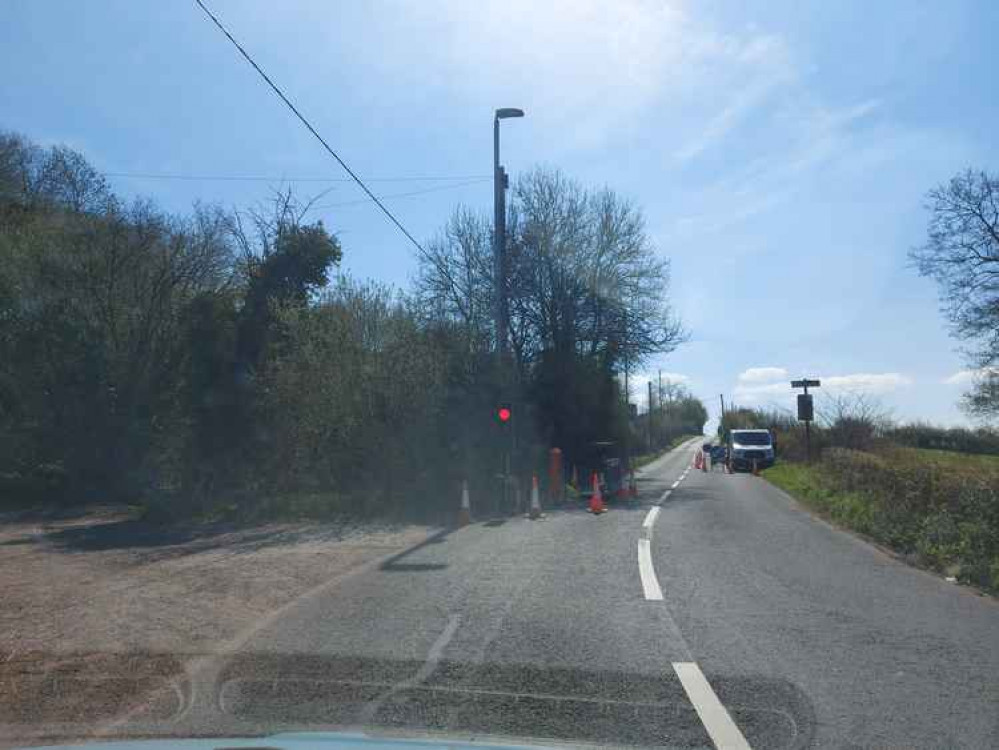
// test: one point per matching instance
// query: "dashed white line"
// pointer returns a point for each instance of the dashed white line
(664, 497)
(650, 586)
(723, 731)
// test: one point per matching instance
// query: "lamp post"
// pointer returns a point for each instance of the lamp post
(500, 185)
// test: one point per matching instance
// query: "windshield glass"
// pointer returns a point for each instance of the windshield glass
(386, 367)
(751, 438)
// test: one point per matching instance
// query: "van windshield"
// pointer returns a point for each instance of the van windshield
(751, 438)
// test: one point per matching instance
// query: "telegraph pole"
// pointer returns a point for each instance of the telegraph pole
(500, 184)
(651, 412)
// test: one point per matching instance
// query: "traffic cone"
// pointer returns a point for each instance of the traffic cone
(465, 512)
(535, 512)
(699, 459)
(596, 499)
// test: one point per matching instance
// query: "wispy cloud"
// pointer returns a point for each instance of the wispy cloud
(806, 136)
(755, 386)
(762, 374)
(744, 97)
(968, 377)
(866, 382)
(561, 58)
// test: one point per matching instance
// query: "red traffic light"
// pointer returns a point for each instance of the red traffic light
(503, 414)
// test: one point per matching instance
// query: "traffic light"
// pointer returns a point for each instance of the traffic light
(504, 414)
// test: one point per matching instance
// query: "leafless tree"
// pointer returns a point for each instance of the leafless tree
(962, 255)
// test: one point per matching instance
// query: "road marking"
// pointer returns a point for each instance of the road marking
(665, 496)
(649, 521)
(675, 484)
(650, 586)
(722, 730)
(433, 658)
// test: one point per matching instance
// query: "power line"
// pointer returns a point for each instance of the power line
(259, 178)
(407, 194)
(311, 129)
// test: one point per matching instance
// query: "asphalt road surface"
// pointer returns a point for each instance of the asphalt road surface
(711, 611)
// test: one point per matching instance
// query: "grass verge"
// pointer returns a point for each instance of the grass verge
(946, 523)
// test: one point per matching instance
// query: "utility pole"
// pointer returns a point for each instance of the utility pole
(650, 415)
(722, 399)
(659, 395)
(500, 184)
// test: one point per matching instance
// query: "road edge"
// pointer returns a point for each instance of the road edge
(868, 541)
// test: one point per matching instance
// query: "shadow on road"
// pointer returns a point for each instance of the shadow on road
(162, 542)
(393, 564)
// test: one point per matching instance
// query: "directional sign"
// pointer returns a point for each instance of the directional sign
(805, 383)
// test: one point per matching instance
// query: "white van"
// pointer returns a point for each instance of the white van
(747, 446)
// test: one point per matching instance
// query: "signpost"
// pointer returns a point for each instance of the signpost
(806, 412)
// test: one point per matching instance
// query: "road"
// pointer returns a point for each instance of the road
(712, 611)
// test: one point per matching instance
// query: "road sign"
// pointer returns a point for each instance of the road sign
(805, 411)
(806, 383)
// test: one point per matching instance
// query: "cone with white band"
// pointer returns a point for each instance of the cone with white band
(535, 512)
(465, 512)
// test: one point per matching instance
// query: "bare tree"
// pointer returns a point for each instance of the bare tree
(962, 255)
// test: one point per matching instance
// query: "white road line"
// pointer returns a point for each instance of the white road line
(433, 658)
(722, 730)
(665, 496)
(675, 484)
(650, 586)
(648, 523)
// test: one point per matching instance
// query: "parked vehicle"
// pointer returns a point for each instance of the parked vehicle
(748, 446)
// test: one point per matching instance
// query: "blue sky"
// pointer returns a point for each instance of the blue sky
(781, 152)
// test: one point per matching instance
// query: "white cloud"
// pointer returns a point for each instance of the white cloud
(754, 395)
(674, 377)
(762, 374)
(961, 377)
(866, 382)
(968, 377)
(754, 390)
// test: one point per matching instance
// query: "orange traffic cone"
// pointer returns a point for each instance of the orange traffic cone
(699, 459)
(535, 512)
(465, 512)
(596, 499)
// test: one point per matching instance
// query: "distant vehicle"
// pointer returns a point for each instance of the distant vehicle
(747, 446)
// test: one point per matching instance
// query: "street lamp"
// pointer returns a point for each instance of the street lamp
(500, 185)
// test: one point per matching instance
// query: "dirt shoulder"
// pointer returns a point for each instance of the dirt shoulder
(105, 582)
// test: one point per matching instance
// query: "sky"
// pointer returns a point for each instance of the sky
(781, 151)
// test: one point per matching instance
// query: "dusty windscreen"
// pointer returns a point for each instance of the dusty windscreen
(528, 373)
